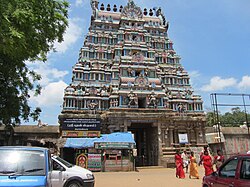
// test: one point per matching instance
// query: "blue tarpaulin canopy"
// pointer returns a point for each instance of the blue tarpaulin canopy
(118, 137)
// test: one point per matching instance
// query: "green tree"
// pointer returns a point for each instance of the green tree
(28, 29)
(234, 118)
(210, 118)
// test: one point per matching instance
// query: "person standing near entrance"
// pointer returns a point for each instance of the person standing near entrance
(202, 153)
(179, 165)
(218, 159)
(193, 167)
(207, 161)
(185, 160)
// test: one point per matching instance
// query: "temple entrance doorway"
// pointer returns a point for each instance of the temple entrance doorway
(146, 144)
(142, 102)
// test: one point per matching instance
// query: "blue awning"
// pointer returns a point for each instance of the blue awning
(118, 137)
(80, 142)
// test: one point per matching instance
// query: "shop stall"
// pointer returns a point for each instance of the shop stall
(109, 152)
(117, 151)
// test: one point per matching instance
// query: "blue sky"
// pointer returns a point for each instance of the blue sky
(212, 37)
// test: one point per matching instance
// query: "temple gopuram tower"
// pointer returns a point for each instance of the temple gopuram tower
(129, 78)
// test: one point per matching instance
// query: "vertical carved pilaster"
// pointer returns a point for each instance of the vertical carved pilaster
(85, 103)
(171, 137)
(126, 125)
(189, 135)
(197, 129)
(176, 138)
(159, 143)
(99, 104)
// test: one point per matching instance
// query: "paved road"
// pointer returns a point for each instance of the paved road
(163, 177)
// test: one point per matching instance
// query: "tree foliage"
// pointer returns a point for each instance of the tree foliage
(234, 118)
(28, 29)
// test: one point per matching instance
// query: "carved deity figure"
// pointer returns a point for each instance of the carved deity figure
(188, 93)
(152, 100)
(132, 99)
(94, 6)
(168, 93)
(40, 124)
(79, 90)
(92, 105)
(181, 108)
(130, 72)
(104, 90)
(146, 73)
(166, 103)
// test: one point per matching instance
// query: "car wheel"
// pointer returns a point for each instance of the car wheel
(74, 184)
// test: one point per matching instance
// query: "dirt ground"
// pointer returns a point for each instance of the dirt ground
(150, 177)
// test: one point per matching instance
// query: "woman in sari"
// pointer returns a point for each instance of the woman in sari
(193, 167)
(207, 163)
(219, 159)
(179, 166)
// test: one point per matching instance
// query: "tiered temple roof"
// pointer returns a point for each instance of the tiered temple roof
(128, 61)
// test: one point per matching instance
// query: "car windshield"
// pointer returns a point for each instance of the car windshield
(22, 162)
(67, 164)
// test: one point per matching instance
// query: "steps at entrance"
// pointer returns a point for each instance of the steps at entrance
(168, 154)
(149, 167)
(166, 151)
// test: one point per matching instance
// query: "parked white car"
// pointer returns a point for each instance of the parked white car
(65, 174)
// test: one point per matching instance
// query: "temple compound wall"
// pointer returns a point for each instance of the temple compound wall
(129, 77)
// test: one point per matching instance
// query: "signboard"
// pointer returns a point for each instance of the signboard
(81, 134)
(117, 165)
(183, 138)
(94, 162)
(81, 124)
(134, 152)
(81, 127)
(114, 145)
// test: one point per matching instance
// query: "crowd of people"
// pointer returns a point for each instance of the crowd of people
(184, 161)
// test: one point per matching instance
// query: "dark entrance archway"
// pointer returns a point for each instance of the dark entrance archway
(146, 143)
(142, 102)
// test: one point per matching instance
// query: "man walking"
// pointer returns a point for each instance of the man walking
(185, 159)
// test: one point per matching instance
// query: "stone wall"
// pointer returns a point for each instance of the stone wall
(237, 141)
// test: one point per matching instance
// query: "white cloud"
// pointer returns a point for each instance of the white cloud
(79, 2)
(52, 95)
(194, 74)
(49, 74)
(217, 84)
(245, 82)
(71, 35)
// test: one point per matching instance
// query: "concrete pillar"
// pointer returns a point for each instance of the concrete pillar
(166, 138)
(171, 137)
(159, 143)
(176, 138)
(189, 135)
(84, 103)
(126, 125)
(197, 135)
(203, 124)
(65, 104)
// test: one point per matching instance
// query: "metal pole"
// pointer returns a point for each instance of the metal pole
(212, 102)
(217, 118)
(243, 97)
